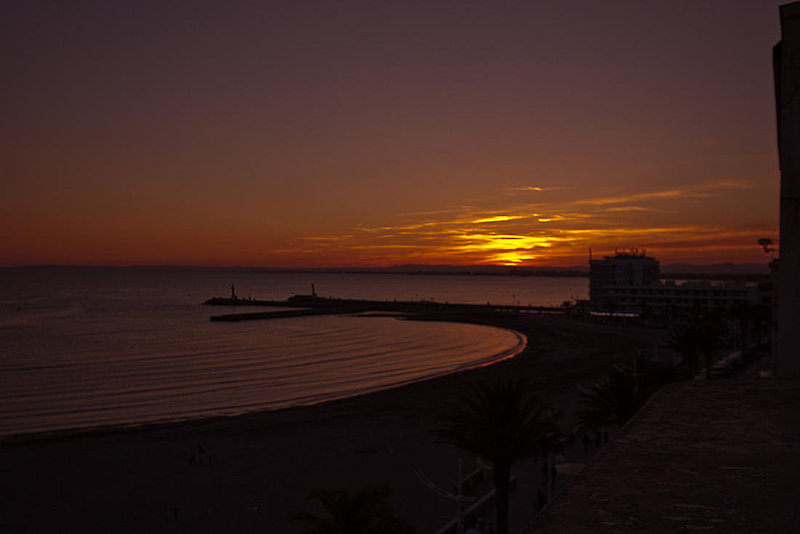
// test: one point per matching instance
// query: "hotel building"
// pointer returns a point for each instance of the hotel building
(629, 282)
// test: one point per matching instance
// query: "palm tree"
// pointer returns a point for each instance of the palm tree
(617, 396)
(365, 512)
(501, 422)
(683, 340)
(701, 337)
(751, 319)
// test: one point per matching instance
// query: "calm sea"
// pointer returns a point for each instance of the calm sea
(87, 347)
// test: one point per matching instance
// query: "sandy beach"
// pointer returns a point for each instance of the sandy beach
(247, 473)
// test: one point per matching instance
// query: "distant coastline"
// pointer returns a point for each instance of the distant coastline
(722, 271)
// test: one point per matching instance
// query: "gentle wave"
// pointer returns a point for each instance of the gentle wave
(301, 361)
(93, 347)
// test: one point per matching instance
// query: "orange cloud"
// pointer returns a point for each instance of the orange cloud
(701, 190)
(497, 218)
(555, 232)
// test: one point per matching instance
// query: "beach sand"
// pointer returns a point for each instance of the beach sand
(253, 470)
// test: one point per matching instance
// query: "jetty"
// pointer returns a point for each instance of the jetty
(306, 305)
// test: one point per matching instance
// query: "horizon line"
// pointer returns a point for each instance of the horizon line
(354, 267)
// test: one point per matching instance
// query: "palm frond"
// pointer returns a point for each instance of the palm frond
(366, 511)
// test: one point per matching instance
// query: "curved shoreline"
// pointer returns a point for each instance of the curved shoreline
(117, 428)
(263, 464)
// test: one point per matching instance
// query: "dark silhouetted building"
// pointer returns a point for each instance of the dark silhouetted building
(786, 296)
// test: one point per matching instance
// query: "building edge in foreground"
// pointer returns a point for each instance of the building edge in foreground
(786, 64)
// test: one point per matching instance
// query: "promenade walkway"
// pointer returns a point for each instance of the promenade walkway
(715, 456)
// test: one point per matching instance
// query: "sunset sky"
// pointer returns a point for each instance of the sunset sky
(374, 133)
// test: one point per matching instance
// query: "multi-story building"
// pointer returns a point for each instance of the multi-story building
(627, 268)
(628, 282)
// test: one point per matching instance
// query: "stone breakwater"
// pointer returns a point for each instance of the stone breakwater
(313, 305)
